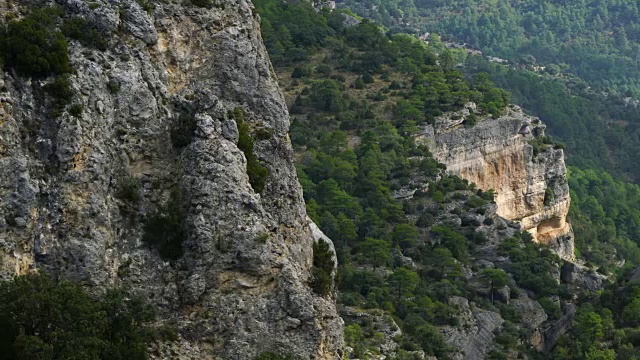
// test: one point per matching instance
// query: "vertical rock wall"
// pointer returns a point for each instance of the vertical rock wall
(241, 286)
(530, 185)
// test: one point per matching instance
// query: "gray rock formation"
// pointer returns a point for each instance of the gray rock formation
(241, 286)
(580, 278)
(474, 337)
(533, 316)
(556, 329)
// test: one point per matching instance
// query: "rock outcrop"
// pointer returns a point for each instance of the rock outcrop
(240, 286)
(507, 154)
(474, 337)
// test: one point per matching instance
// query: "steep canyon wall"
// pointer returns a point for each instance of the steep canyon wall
(78, 189)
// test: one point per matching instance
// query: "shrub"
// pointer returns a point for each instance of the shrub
(61, 92)
(540, 144)
(301, 72)
(114, 86)
(202, 3)
(323, 69)
(549, 196)
(129, 194)
(148, 6)
(80, 29)
(395, 85)
(182, 130)
(257, 173)
(164, 230)
(471, 120)
(475, 202)
(75, 110)
(34, 47)
(368, 79)
(45, 319)
(323, 264)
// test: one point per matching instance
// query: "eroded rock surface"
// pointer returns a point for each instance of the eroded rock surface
(474, 337)
(530, 181)
(241, 286)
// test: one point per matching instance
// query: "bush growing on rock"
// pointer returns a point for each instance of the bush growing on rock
(257, 173)
(164, 230)
(322, 281)
(80, 29)
(34, 47)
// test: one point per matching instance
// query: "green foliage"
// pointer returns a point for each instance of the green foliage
(86, 33)
(129, 193)
(202, 3)
(61, 93)
(403, 282)
(34, 47)
(291, 31)
(540, 144)
(595, 41)
(549, 196)
(45, 319)
(352, 158)
(114, 86)
(75, 110)
(164, 230)
(495, 278)
(323, 267)
(471, 120)
(148, 6)
(531, 265)
(375, 252)
(301, 72)
(605, 217)
(257, 173)
(182, 130)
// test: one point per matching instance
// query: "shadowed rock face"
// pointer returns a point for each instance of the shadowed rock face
(241, 286)
(496, 154)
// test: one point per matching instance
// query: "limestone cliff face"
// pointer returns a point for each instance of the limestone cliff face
(497, 154)
(241, 286)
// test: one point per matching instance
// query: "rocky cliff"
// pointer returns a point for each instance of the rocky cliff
(509, 155)
(80, 188)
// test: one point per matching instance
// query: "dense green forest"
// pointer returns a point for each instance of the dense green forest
(358, 94)
(598, 40)
(41, 318)
(585, 92)
(601, 130)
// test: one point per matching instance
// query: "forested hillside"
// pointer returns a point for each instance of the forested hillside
(571, 63)
(590, 109)
(357, 97)
(598, 40)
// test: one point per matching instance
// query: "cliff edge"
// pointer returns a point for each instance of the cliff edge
(510, 155)
(142, 181)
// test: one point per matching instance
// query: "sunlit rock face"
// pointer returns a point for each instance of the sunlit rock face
(529, 181)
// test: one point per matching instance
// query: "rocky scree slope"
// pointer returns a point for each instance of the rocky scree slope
(82, 187)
